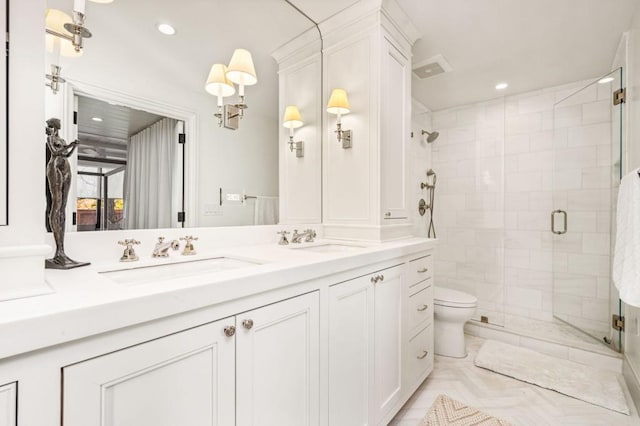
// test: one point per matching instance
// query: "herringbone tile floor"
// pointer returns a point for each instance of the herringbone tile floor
(512, 400)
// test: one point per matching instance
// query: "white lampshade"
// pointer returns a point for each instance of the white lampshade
(241, 69)
(292, 118)
(217, 82)
(55, 20)
(338, 102)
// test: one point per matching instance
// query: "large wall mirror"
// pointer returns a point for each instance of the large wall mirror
(134, 91)
(4, 121)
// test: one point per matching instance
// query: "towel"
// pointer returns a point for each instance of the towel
(626, 255)
(266, 211)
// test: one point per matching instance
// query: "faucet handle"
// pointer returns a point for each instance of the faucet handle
(160, 240)
(283, 238)
(188, 246)
(311, 234)
(129, 254)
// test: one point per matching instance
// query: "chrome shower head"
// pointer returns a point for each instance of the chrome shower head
(430, 172)
(431, 136)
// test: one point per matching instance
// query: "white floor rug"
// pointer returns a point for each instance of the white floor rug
(598, 387)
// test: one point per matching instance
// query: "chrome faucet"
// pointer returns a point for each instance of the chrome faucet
(129, 254)
(162, 249)
(309, 235)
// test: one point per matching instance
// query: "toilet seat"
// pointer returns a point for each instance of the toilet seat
(453, 298)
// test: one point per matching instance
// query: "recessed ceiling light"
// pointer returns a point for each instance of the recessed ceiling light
(501, 86)
(605, 80)
(166, 29)
(98, 119)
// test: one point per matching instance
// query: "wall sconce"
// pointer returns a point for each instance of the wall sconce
(219, 85)
(292, 120)
(75, 31)
(339, 105)
(240, 71)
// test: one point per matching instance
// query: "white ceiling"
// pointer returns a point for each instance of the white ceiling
(530, 44)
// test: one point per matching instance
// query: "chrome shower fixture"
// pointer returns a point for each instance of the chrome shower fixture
(426, 184)
(431, 136)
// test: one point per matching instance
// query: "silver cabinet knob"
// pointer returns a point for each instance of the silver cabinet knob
(248, 324)
(375, 279)
(423, 270)
(381, 277)
(387, 214)
(423, 308)
(230, 330)
(423, 355)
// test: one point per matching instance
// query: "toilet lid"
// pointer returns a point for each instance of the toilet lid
(457, 299)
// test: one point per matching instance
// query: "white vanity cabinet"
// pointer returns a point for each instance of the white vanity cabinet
(187, 378)
(418, 320)
(365, 348)
(277, 363)
(8, 404)
(259, 367)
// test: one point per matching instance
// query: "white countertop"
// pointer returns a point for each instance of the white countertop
(84, 302)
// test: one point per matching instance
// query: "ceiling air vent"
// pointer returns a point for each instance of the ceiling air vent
(432, 66)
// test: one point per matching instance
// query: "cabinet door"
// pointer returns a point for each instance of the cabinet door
(388, 340)
(277, 370)
(8, 404)
(351, 352)
(183, 379)
(395, 123)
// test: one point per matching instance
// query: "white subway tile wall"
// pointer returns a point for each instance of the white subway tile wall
(501, 170)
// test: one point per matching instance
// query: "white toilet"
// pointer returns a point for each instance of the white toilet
(452, 309)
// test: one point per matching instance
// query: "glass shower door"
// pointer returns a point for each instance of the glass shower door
(586, 173)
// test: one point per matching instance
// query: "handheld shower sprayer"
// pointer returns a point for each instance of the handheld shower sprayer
(431, 187)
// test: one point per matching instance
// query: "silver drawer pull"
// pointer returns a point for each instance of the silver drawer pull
(248, 324)
(423, 308)
(423, 270)
(381, 277)
(230, 330)
(375, 279)
(423, 355)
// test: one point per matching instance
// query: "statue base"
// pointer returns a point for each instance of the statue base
(63, 262)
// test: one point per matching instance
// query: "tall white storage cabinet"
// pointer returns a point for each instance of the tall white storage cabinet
(365, 193)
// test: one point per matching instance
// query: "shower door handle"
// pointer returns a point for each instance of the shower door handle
(553, 222)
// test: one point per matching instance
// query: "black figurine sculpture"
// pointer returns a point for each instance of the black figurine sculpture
(59, 178)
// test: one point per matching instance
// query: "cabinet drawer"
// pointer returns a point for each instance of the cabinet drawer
(420, 354)
(419, 270)
(420, 307)
(8, 404)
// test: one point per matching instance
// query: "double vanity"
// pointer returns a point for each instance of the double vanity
(328, 332)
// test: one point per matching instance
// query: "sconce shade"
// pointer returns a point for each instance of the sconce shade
(241, 69)
(292, 119)
(217, 82)
(338, 102)
(55, 20)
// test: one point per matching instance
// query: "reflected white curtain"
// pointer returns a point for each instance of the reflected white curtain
(152, 177)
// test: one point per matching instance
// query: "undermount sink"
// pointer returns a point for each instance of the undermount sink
(330, 248)
(169, 271)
